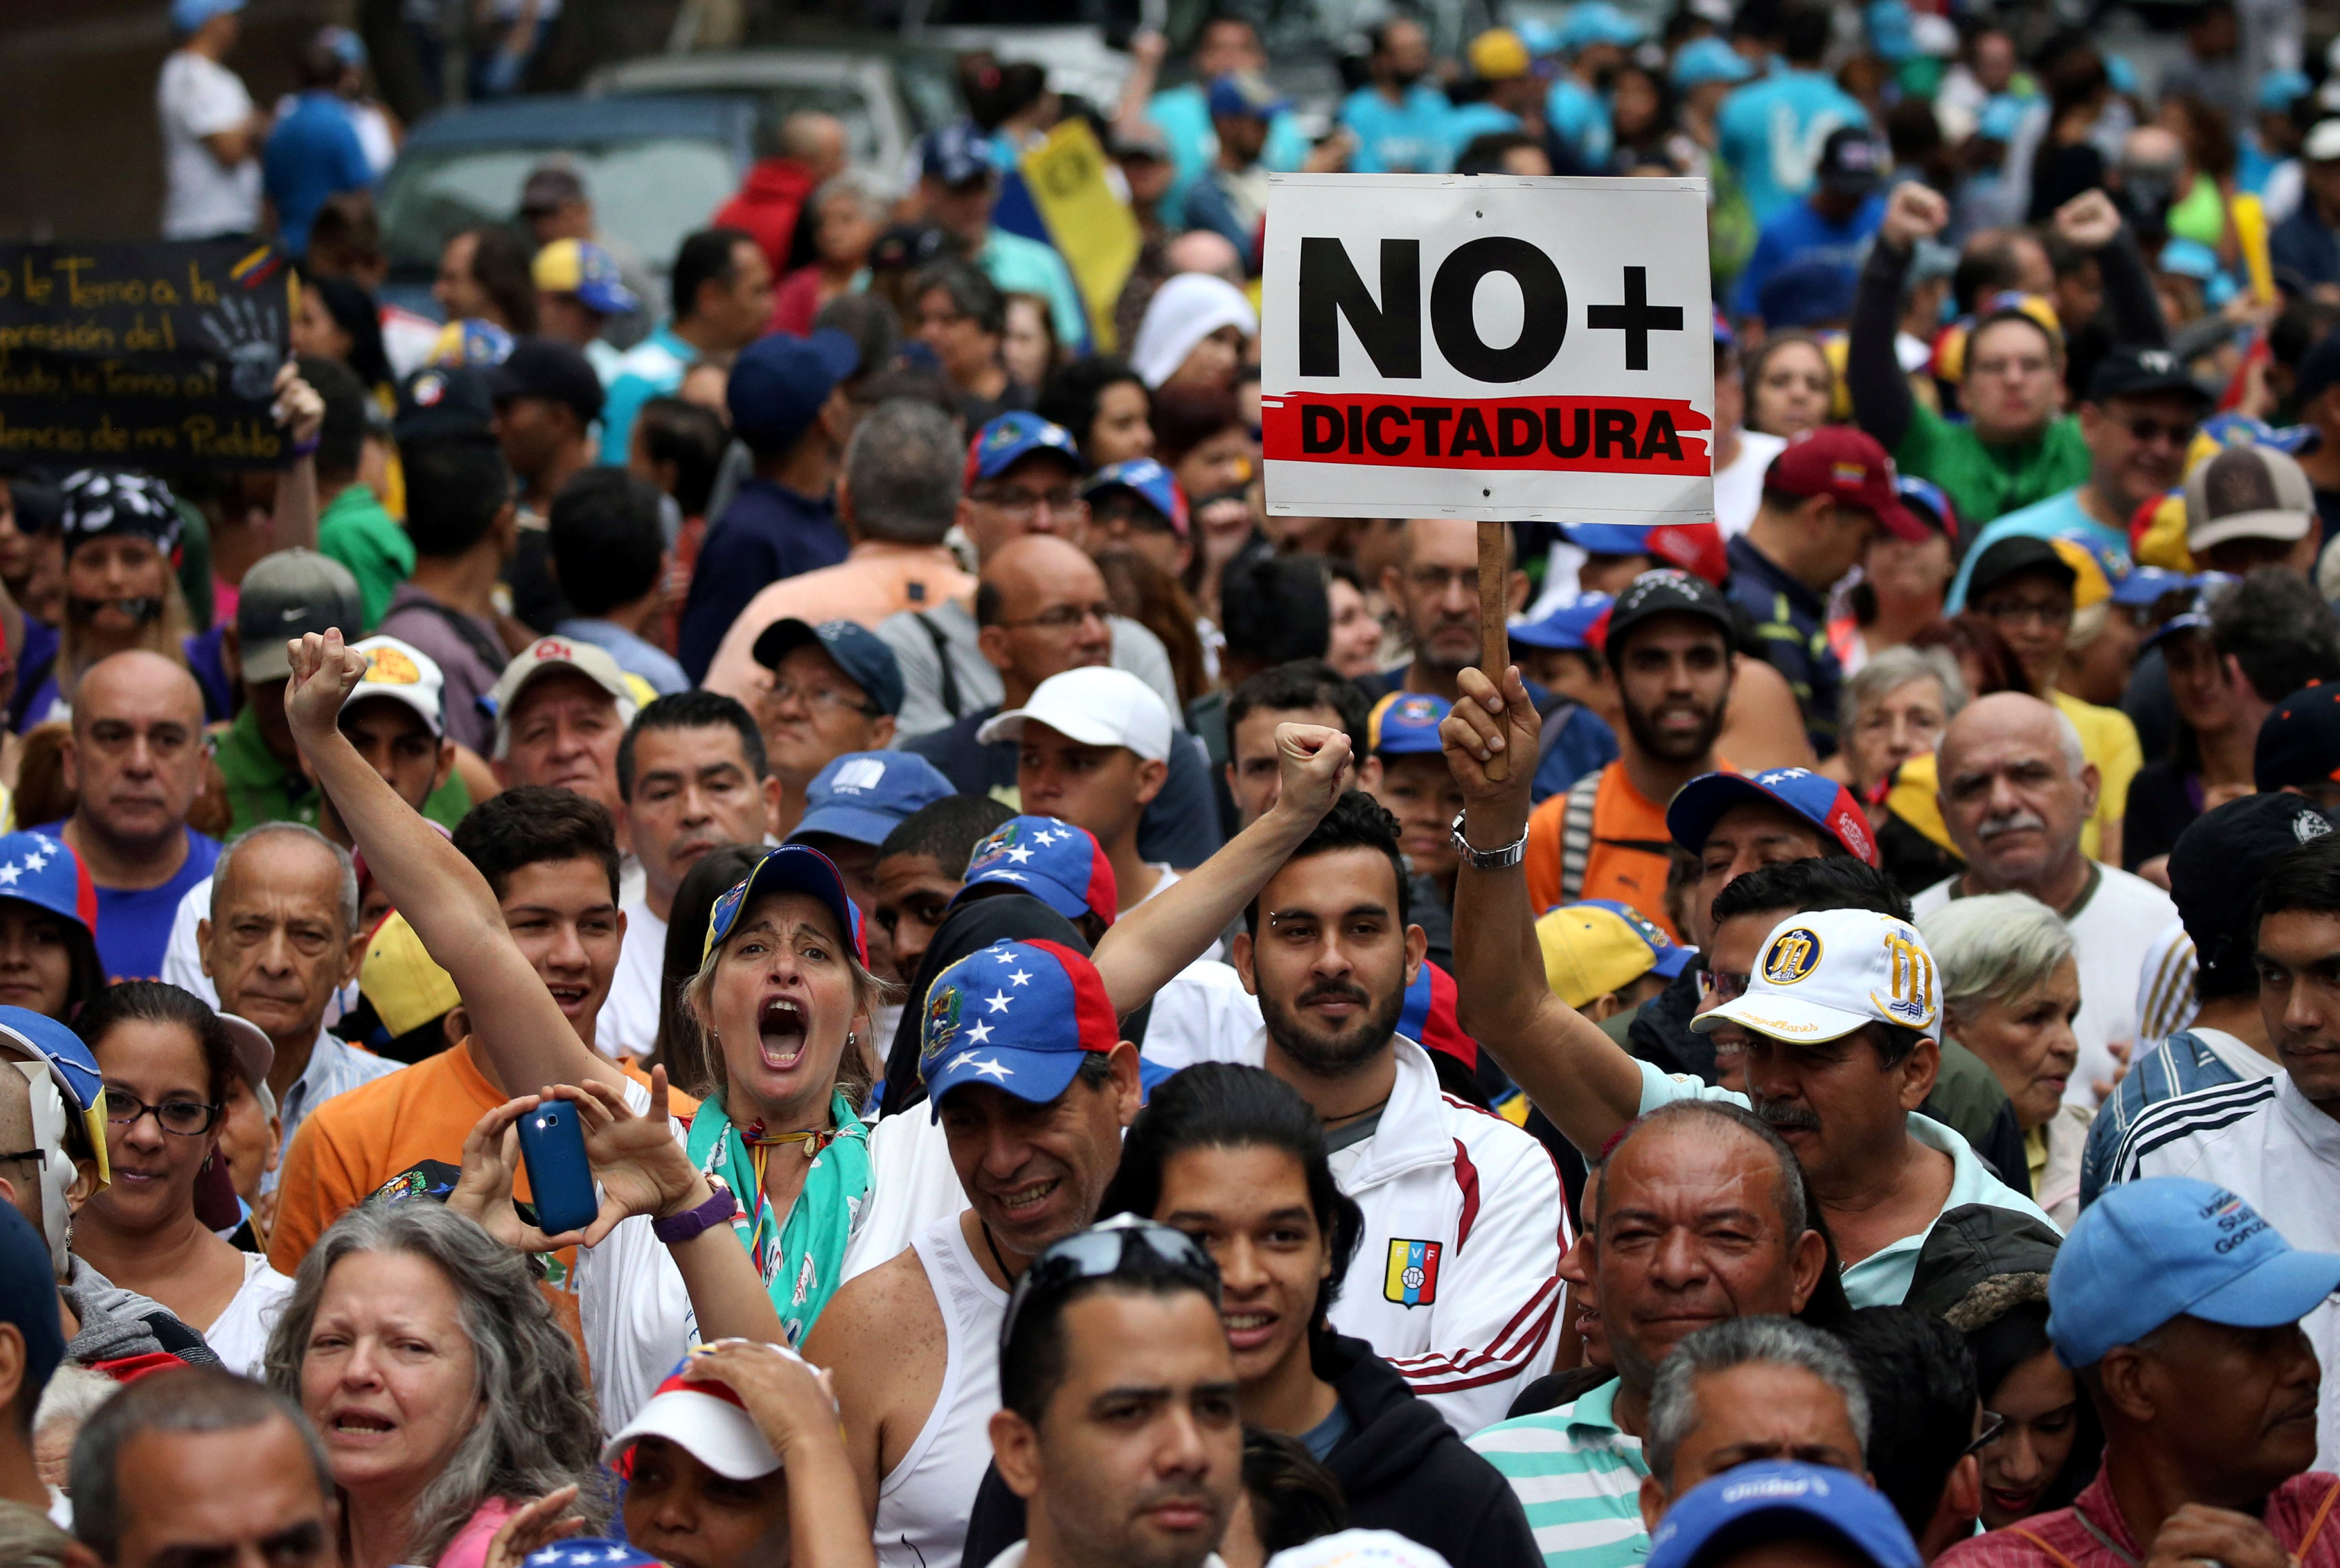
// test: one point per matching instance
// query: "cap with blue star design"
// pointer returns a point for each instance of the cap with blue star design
(1061, 866)
(1017, 1015)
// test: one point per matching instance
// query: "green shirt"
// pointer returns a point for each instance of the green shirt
(262, 789)
(355, 532)
(1579, 1478)
(1985, 480)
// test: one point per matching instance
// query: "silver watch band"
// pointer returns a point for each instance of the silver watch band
(1502, 859)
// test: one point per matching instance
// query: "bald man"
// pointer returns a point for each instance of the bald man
(2014, 793)
(811, 148)
(1040, 609)
(134, 761)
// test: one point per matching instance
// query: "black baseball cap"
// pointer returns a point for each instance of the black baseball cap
(2131, 371)
(1850, 164)
(2318, 370)
(548, 368)
(1667, 591)
(2218, 862)
(444, 400)
(2013, 556)
(2299, 740)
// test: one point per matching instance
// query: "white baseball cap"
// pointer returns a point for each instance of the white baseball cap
(705, 1420)
(404, 674)
(1098, 706)
(547, 656)
(1826, 973)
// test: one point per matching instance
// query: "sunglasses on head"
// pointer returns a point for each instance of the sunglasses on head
(1105, 1251)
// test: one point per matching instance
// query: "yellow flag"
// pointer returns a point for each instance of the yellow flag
(2251, 238)
(1091, 227)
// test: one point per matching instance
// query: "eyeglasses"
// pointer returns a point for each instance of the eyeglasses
(1993, 1423)
(821, 697)
(1105, 1250)
(2012, 612)
(2141, 429)
(1065, 617)
(1719, 985)
(186, 1117)
(1024, 505)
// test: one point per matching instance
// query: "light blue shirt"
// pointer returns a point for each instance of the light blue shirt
(1772, 132)
(1022, 266)
(1881, 1278)
(1578, 117)
(1408, 137)
(634, 655)
(334, 1067)
(1578, 1476)
(1184, 114)
(651, 369)
(2058, 516)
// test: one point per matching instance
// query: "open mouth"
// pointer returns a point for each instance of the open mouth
(1019, 1202)
(361, 1423)
(780, 1032)
(1248, 1330)
(571, 997)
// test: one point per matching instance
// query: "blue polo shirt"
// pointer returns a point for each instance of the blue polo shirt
(1797, 234)
(1772, 132)
(767, 533)
(312, 154)
(134, 925)
(1408, 137)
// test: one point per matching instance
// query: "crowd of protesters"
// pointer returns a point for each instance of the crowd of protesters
(1079, 1056)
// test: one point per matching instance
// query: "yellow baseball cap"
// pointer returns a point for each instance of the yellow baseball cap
(1498, 55)
(404, 982)
(1599, 946)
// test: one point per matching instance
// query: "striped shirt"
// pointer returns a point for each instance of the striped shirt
(334, 1067)
(1579, 1478)
(2189, 1059)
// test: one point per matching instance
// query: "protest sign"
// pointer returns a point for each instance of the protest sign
(1491, 347)
(158, 356)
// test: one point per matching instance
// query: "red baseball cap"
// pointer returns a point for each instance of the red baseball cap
(1840, 461)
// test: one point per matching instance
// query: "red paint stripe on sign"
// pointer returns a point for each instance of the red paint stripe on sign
(1573, 435)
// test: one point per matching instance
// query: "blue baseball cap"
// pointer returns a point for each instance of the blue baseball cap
(186, 15)
(1241, 94)
(955, 155)
(1061, 866)
(2000, 119)
(867, 658)
(590, 1551)
(1779, 1499)
(1599, 22)
(1568, 626)
(791, 868)
(1405, 724)
(1146, 479)
(780, 380)
(1705, 60)
(862, 796)
(42, 869)
(28, 1301)
(2167, 1246)
(1010, 439)
(2195, 616)
(351, 50)
(1827, 804)
(1018, 1016)
(2142, 586)
(2279, 90)
(1608, 538)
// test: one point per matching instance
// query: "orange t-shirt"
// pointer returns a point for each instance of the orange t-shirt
(1632, 850)
(354, 1142)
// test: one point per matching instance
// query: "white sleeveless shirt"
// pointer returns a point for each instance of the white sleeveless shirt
(924, 1501)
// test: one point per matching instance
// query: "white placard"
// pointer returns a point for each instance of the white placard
(1489, 346)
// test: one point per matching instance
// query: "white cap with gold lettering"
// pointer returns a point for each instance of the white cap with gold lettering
(1823, 974)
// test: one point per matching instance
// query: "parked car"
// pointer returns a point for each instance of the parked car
(887, 95)
(656, 168)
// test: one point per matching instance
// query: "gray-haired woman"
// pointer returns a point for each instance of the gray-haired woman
(2010, 990)
(1894, 708)
(446, 1393)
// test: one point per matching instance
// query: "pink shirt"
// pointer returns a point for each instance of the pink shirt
(870, 584)
(468, 1549)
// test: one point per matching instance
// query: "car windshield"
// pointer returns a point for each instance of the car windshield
(647, 195)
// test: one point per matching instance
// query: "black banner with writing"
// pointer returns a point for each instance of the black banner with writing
(157, 356)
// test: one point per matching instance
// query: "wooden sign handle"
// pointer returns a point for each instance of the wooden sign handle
(1494, 611)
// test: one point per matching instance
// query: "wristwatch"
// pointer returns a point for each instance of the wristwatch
(676, 1228)
(1502, 859)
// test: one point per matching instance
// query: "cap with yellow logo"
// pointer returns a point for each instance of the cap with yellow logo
(404, 674)
(1823, 974)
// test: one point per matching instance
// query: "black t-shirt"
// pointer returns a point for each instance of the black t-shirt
(2163, 802)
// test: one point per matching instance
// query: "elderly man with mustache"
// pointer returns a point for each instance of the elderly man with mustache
(2016, 792)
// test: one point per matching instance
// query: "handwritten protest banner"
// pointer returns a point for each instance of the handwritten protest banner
(156, 356)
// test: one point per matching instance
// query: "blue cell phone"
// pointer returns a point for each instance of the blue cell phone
(552, 1147)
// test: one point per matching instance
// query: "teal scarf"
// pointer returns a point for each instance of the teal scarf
(802, 1258)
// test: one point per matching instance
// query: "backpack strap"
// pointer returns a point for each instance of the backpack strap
(1576, 834)
(950, 693)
